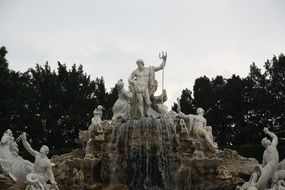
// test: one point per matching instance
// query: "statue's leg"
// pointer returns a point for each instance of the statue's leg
(140, 105)
(265, 177)
(147, 97)
(204, 134)
(147, 101)
(209, 130)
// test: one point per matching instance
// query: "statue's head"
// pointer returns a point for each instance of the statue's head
(140, 64)
(99, 107)
(8, 132)
(120, 84)
(265, 142)
(200, 111)
(44, 150)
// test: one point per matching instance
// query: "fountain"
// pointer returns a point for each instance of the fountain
(145, 147)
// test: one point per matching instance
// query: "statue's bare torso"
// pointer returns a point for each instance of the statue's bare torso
(41, 164)
(141, 77)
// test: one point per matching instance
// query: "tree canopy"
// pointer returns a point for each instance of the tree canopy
(239, 108)
(50, 105)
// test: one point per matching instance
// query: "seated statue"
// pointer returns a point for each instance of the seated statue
(11, 164)
(42, 171)
(261, 177)
(197, 125)
(121, 108)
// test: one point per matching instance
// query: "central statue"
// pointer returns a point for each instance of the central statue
(143, 85)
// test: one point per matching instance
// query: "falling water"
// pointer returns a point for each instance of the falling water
(148, 149)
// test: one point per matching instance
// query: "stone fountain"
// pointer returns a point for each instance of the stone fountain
(143, 147)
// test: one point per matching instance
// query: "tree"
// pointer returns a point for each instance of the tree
(203, 93)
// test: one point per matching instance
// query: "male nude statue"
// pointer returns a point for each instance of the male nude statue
(42, 171)
(271, 153)
(261, 177)
(141, 84)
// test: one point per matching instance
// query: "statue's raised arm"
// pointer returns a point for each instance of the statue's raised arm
(274, 141)
(27, 146)
(163, 56)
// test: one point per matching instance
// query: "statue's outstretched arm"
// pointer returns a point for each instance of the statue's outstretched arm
(184, 116)
(27, 146)
(272, 135)
(160, 67)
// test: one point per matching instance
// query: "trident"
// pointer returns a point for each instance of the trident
(163, 56)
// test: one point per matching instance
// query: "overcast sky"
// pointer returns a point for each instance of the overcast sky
(202, 37)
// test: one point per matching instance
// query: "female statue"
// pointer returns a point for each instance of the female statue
(121, 108)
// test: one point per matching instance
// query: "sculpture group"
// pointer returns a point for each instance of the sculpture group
(140, 101)
(138, 104)
(35, 175)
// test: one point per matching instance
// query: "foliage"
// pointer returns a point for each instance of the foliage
(50, 105)
(239, 108)
(53, 105)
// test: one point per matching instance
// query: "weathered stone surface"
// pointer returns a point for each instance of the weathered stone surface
(148, 153)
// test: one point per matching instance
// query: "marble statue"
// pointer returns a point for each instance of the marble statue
(121, 108)
(157, 108)
(95, 127)
(95, 132)
(197, 127)
(260, 179)
(142, 85)
(11, 164)
(271, 153)
(42, 171)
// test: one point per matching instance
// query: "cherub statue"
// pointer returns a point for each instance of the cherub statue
(42, 171)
